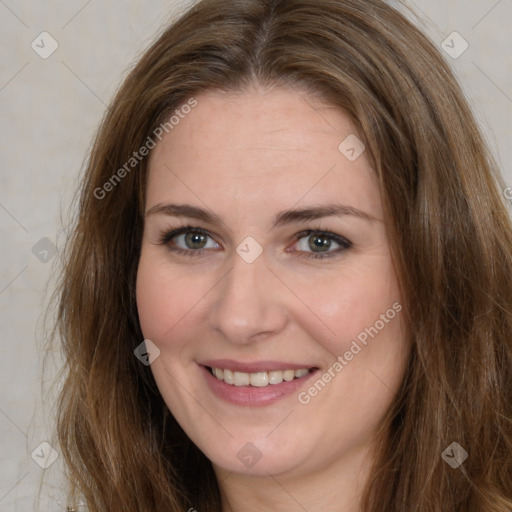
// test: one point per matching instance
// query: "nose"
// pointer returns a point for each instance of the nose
(248, 304)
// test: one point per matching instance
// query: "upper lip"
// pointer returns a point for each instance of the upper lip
(254, 366)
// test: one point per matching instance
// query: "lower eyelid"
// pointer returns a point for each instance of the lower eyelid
(322, 255)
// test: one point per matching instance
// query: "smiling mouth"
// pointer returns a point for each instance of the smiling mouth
(258, 379)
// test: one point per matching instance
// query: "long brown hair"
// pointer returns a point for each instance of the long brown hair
(449, 230)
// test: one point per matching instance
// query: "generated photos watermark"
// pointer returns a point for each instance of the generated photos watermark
(249, 454)
(454, 455)
(342, 361)
(147, 352)
(143, 151)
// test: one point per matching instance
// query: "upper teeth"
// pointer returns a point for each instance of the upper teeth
(259, 379)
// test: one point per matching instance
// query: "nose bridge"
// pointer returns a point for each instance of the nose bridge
(244, 305)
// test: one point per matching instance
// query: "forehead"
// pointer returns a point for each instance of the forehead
(257, 148)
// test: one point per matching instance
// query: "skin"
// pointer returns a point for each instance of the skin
(247, 156)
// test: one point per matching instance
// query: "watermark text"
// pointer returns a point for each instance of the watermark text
(143, 151)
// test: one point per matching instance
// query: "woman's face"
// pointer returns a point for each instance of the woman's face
(281, 280)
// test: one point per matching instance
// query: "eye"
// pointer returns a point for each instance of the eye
(312, 243)
(188, 240)
(321, 244)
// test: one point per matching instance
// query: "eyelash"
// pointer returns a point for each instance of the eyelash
(345, 244)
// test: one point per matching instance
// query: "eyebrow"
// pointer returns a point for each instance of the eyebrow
(281, 219)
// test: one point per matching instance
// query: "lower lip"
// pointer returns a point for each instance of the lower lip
(253, 396)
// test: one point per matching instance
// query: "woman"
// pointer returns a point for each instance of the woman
(289, 286)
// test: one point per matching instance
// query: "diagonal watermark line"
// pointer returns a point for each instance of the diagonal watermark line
(492, 81)
(185, 185)
(228, 474)
(13, 217)
(73, 17)
(312, 187)
(280, 423)
(199, 403)
(17, 483)
(383, 383)
(312, 107)
(8, 417)
(287, 492)
(84, 83)
(15, 75)
(321, 178)
(195, 304)
(13, 13)
(425, 14)
(12, 280)
(325, 325)
(486, 14)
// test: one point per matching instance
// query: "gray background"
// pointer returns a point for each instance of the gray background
(49, 109)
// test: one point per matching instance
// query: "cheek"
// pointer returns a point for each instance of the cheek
(151, 301)
(165, 297)
(353, 305)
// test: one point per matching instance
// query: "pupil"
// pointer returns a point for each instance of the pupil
(195, 239)
(319, 242)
